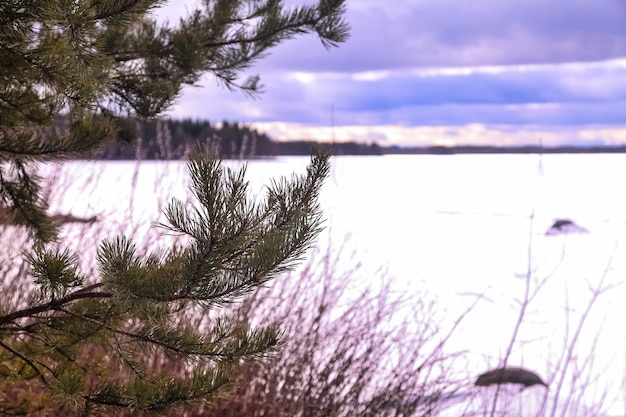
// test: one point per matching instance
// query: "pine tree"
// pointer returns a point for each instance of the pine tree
(98, 60)
(84, 342)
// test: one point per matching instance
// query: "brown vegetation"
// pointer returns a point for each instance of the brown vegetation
(354, 347)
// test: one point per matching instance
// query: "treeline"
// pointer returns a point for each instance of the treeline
(171, 139)
(338, 148)
(485, 149)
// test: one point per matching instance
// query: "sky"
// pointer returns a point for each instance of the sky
(440, 72)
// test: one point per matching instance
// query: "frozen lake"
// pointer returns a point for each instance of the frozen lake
(468, 230)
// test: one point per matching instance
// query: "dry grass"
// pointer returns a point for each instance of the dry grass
(352, 345)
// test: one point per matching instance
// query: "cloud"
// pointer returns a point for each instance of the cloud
(471, 134)
(427, 33)
(583, 93)
(441, 63)
(454, 33)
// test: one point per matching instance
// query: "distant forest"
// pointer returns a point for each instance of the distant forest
(171, 139)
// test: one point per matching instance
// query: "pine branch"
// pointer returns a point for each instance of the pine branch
(26, 360)
(121, 10)
(51, 305)
(89, 64)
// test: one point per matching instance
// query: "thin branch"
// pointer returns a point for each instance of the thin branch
(51, 305)
(29, 362)
(144, 338)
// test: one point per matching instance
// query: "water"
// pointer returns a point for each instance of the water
(468, 230)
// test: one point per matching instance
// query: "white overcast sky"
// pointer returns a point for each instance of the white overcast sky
(442, 71)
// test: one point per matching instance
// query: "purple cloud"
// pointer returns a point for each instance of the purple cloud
(443, 63)
(555, 94)
(432, 33)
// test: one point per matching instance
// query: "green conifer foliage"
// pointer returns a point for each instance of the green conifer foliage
(92, 344)
(88, 345)
(96, 61)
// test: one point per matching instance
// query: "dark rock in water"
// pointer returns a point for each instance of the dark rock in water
(509, 375)
(561, 223)
(564, 226)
